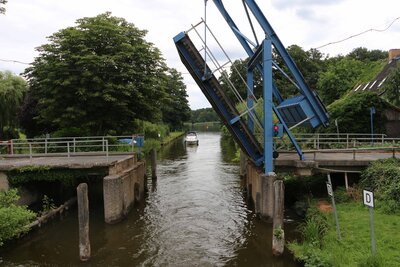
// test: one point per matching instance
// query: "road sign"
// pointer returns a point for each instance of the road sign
(329, 188)
(368, 198)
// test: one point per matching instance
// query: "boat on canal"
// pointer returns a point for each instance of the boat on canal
(191, 138)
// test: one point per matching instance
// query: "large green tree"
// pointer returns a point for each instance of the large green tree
(12, 91)
(98, 76)
(175, 108)
(339, 78)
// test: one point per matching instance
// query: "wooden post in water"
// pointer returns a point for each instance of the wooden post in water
(153, 154)
(83, 217)
(278, 234)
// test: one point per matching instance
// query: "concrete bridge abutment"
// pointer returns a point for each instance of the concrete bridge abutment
(122, 187)
(260, 189)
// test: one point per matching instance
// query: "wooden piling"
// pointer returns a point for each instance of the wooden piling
(153, 154)
(278, 236)
(83, 218)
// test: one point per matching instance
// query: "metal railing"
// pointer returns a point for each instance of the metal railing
(69, 146)
(321, 141)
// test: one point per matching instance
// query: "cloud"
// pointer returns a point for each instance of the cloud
(285, 4)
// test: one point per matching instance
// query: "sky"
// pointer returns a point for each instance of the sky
(307, 23)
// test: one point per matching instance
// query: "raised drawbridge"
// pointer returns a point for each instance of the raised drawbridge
(253, 130)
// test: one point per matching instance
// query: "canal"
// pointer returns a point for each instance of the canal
(194, 215)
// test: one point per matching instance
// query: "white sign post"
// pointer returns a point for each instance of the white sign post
(368, 197)
(330, 193)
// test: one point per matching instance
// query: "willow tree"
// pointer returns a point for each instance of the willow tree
(97, 76)
(12, 91)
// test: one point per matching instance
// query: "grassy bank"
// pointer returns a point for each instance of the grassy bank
(355, 247)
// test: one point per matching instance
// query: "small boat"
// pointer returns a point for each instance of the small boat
(191, 138)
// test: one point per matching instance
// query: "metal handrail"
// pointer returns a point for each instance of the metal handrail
(66, 145)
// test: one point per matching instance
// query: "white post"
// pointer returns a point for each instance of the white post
(346, 181)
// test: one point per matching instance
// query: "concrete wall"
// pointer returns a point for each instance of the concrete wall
(260, 189)
(124, 185)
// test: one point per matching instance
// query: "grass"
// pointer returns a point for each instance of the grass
(355, 247)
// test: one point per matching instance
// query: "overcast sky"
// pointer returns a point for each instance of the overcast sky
(307, 23)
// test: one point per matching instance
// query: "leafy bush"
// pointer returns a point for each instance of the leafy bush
(13, 219)
(315, 227)
(341, 195)
(383, 177)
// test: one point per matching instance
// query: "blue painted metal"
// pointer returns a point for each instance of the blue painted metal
(268, 106)
(243, 41)
(314, 103)
(305, 108)
(250, 100)
(211, 88)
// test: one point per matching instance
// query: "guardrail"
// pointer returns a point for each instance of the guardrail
(68, 146)
(355, 153)
(345, 140)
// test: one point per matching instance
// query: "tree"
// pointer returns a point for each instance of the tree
(204, 115)
(175, 108)
(310, 63)
(338, 79)
(352, 113)
(12, 91)
(363, 54)
(2, 9)
(98, 76)
(392, 87)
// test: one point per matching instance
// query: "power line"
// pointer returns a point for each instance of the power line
(14, 61)
(361, 33)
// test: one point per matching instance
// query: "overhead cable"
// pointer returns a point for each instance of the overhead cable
(361, 33)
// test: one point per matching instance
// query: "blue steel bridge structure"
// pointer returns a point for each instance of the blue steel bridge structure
(302, 109)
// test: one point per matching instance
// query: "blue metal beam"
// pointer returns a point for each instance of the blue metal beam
(243, 41)
(269, 31)
(268, 106)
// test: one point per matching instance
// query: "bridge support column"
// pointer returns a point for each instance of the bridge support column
(124, 185)
(278, 236)
(267, 194)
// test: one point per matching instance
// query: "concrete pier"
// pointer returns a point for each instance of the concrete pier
(124, 185)
(260, 188)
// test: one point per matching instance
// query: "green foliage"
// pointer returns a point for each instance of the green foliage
(175, 108)
(338, 79)
(353, 113)
(28, 174)
(278, 233)
(204, 115)
(354, 249)
(341, 195)
(99, 76)
(315, 227)
(151, 130)
(363, 54)
(12, 92)
(391, 87)
(383, 177)
(13, 218)
(47, 205)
